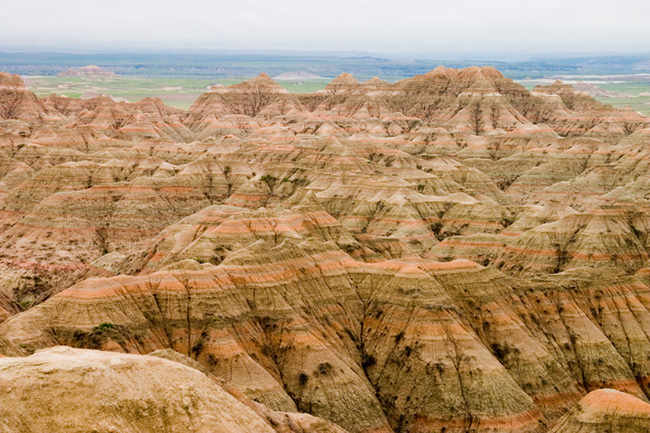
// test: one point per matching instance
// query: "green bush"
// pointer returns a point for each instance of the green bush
(103, 327)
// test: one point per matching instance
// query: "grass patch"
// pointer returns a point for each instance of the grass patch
(175, 92)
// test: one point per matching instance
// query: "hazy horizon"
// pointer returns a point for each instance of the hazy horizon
(398, 56)
(433, 29)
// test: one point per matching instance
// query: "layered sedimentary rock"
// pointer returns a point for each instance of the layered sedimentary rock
(17, 102)
(290, 324)
(603, 238)
(450, 252)
(263, 306)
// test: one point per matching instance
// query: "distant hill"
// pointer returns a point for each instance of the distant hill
(297, 75)
(594, 90)
(243, 65)
(90, 70)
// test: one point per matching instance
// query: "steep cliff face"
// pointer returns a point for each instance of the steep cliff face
(602, 238)
(450, 252)
(302, 325)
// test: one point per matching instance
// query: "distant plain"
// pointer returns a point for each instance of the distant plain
(178, 79)
(175, 92)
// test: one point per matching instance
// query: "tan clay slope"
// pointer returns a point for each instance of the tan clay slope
(215, 232)
(288, 325)
(260, 96)
(594, 118)
(606, 410)
(58, 233)
(281, 422)
(91, 70)
(605, 238)
(281, 310)
(300, 323)
(71, 390)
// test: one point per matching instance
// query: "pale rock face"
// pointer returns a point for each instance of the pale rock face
(606, 410)
(71, 390)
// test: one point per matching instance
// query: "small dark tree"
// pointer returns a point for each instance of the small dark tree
(476, 117)
(270, 181)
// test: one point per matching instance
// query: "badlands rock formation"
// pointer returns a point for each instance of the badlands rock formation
(448, 253)
(90, 70)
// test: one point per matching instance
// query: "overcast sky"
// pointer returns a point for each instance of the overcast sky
(433, 27)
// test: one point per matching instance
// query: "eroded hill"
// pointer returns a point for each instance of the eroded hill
(450, 252)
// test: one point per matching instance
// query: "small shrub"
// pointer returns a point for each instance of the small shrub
(103, 327)
(368, 361)
(325, 368)
(212, 360)
(269, 180)
(197, 348)
(436, 227)
(501, 352)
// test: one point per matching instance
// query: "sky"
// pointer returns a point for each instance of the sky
(451, 28)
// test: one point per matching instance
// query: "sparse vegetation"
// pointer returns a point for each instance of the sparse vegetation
(103, 327)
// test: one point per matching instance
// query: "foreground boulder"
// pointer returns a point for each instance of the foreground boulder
(606, 410)
(71, 390)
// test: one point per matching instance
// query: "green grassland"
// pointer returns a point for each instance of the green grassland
(640, 103)
(176, 92)
(306, 86)
(634, 91)
(639, 90)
